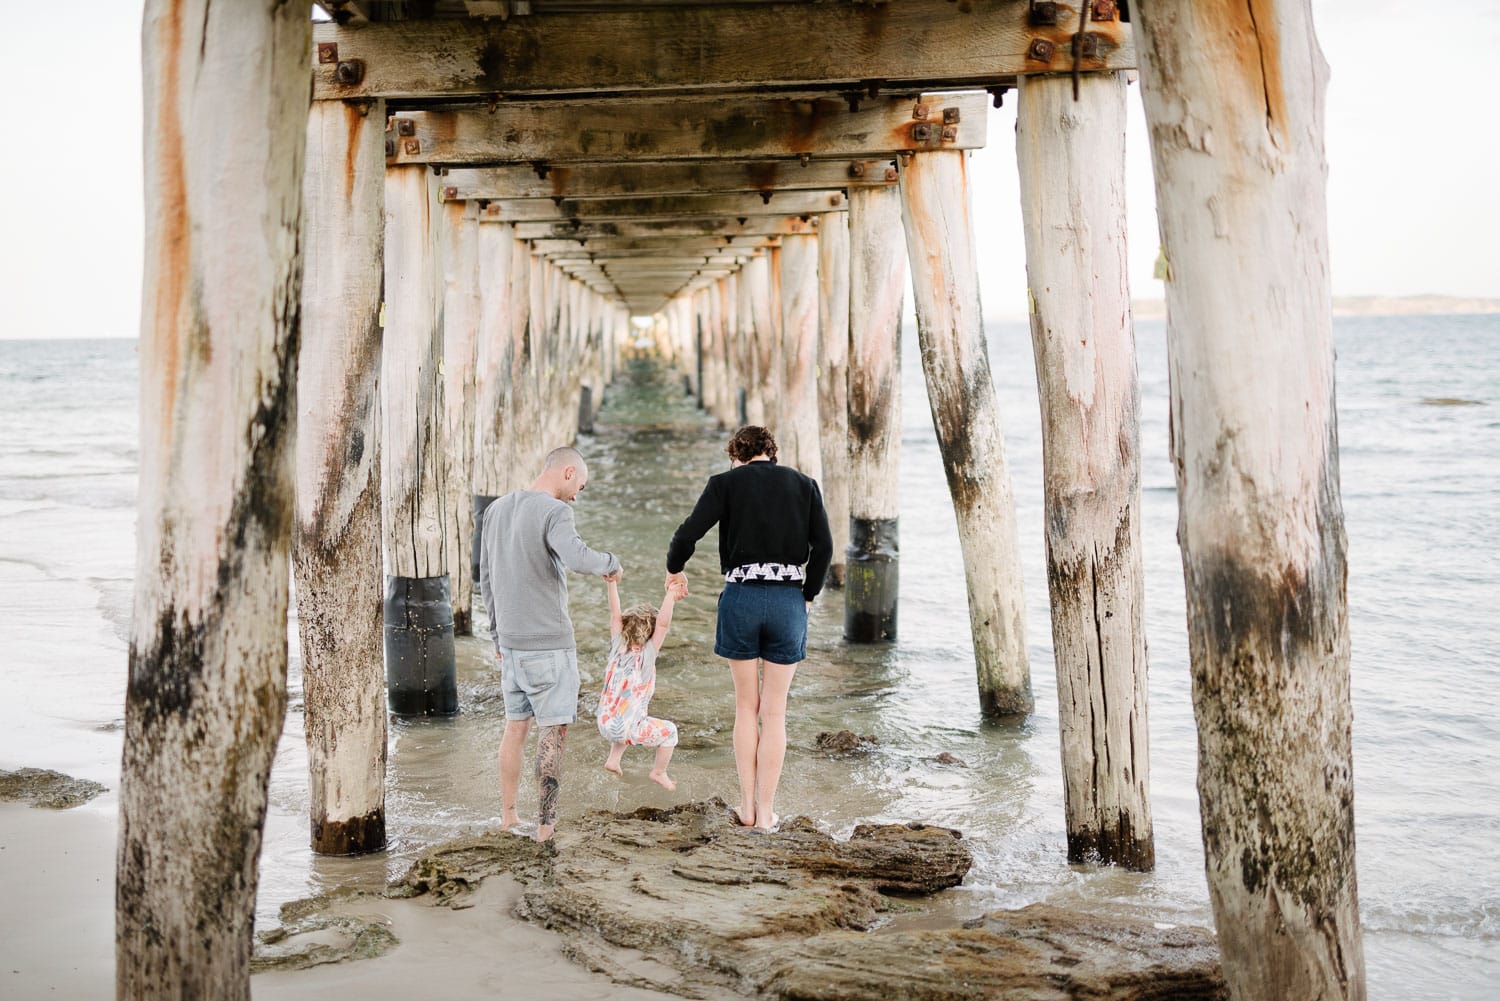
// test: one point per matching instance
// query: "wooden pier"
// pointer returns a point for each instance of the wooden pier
(392, 256)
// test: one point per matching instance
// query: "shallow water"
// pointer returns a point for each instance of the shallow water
(1419, 482)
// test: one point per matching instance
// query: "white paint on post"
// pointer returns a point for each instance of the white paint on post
(799, 355)
(945, 286)
(753, 282)
(413, 466)
(833, 379)
(1237, 146)
(460, 332)
(336, 546)
(1071, 156)
(493, 458)
(226, 101)
(523, 430)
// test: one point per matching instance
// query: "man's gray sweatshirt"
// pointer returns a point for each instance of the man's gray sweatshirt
(529, 543)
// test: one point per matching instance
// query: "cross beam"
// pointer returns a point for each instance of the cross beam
(620, 180)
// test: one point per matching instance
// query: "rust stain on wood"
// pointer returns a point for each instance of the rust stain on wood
(174, 253)
(354, 121)
(1253, 48)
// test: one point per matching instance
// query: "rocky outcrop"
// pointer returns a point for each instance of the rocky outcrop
(319, 939)
(46, 788)
(839, 742)
(703, 907)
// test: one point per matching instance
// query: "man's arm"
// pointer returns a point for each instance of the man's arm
(706, 514)
(562, 539)
(820, 540)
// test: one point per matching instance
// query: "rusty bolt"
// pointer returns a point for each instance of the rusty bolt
(1086, 45)
(390, 147)
(919, 111)
(950, 116)
(349, 72)
(950, 133)
(1040, 50)
(1104, 10)
(450, 192)
(412, 147)
(891, 174)
(856, 170)
(921, 132)
(328, 52)
(765, 197)
(406, 127)
(1042, 15)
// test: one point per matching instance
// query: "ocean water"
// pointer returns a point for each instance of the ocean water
(1419, 422)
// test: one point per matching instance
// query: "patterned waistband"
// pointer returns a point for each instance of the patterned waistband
(765, 571)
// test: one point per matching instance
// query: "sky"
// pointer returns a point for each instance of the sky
(1413, 204)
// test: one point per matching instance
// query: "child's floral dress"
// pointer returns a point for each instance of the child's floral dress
(629, 681)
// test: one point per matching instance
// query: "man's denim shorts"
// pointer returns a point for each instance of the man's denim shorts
(762, 621)
(540, 683)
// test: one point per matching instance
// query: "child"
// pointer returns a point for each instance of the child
(630, 678)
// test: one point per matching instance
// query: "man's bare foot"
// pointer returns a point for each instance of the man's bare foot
(509, 821)
(664, 780)
(544, 832)
(614, 768)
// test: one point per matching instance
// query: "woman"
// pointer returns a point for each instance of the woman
(774, 550)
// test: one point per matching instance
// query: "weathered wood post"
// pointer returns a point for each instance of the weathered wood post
(945, 286)
(716, 371)
(336, 545)
(1071, 156)
(833, 380)
(877, 280)
(460, 322)
(419, 655)
(798, 283)
(754, 283)
(523, 431)
(220, 318)
(1237, 146)
(734, 352)
(494, 457)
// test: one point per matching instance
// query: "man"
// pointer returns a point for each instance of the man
(529, 543)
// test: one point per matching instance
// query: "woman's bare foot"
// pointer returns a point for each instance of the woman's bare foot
(765, 820)
(740, 813)
(664, 780)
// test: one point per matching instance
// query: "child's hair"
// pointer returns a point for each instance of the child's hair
(637, 623)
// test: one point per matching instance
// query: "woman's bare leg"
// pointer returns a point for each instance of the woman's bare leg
(772, 749)
(512, 748)
(659, 769)
(746, 675)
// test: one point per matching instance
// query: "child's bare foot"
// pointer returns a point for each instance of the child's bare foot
(613, 767)
(664, 780)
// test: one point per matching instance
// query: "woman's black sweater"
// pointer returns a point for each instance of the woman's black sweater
(766, 514)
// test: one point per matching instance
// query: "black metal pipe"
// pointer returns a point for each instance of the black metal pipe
(420, 674)
(871, 579)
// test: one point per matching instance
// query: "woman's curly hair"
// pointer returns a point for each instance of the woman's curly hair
(750, 441)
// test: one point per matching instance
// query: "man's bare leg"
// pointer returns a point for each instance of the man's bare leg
(549, 754)
(746, 675)
(512, 748)
(772, 749)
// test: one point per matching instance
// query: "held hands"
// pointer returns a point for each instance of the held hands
(679, 581)
(614, 578)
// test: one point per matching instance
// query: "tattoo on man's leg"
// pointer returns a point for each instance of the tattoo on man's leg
(549, 754)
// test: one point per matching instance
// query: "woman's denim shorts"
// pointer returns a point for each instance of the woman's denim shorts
(762, 621)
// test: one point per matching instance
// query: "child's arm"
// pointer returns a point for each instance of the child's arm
(664, 617)
(612, 584)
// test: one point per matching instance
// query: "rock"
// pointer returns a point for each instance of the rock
(318, 939)
(948, 758)
(845, 742)
(685, 900)
(45, 788)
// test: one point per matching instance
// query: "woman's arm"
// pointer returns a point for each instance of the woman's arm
(612, 585)
(706, 514)
(664, 617)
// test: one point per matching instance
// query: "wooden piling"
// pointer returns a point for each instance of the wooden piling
(419, 655)
(945, 286)
(754, 284)
(524, 432)
(833, 381)
(494, 456)
(206, 694)
(877, 280)
(1237, 146)
(798, 442)
(336, 542)
(1071, 156)
(459, 255)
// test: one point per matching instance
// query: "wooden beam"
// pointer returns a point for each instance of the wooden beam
(685, 49)
(668, 207)
(729, 230)
(670, 245)
(621, 180)
(741, 129)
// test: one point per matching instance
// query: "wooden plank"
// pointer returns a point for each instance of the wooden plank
(667, 207)
(337, 537)
(682, 244)
(726, 229)
(1071, 158)
(740, 129)
(1255, 448)
(220, 316)
(955, 361)
(907, 45)
(619, 180)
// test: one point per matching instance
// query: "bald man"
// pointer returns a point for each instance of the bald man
(529, 543)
